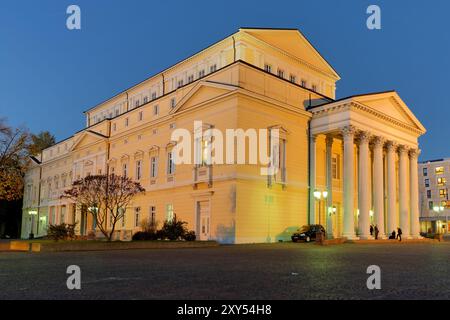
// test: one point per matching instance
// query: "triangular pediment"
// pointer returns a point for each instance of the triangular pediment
(390, 104)
(202, 92)
(87, 138)
(294, 43)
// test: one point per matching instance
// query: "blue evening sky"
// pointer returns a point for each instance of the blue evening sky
(49, 75)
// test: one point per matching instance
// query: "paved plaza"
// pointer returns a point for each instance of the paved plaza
(264, 271)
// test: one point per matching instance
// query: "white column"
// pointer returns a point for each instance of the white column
(328, 210)
(391, 189)
(378, 191)
(402, 190)
(364, 187)
(414, 193)
(349, 176)
(312, 177)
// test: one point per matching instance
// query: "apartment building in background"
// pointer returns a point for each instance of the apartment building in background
(343, 163)
(434, 179)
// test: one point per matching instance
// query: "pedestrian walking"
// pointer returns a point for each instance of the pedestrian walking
(399, 234)
(376, 232)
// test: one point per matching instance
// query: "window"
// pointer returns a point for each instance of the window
(173, 103)
(141, 116)
(170, 163)
(292, 78)
(145, 99)
(427, 183)
(172, 125)
(212, 68)
(136, 103)
(63, 214)
(180, 83)
(201, 73)
(152, 218)
(429, 194)
(117, 112)
(114, 127)
(303, 83)
(155, 110)
(314, 88)
(138, 170)
(443, 193)
(280, 73)
(335, 165)
(439, 170)
(153, 167)
(123, 217)
(125, 170)
(169, 212)
(268, 68)
(190, 78)
(441, 181)
(153, 95)
(126, 122)
(430, 205)
(137, 216)
(444, 203)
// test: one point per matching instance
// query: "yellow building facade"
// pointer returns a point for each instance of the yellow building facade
(253, 79)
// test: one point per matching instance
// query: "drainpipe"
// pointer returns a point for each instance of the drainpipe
(309, 171)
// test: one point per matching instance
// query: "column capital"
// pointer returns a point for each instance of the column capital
(391, 145)
(313, 137)
(414, 153)
(348, 131)
(402, 149)
(364, 137)
(378, 141)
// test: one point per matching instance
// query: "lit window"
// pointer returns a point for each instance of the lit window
(268, 68)
(137, 216)
(153, 167)
(439, 170)
(169, 212)
(441, 181)
(444, 203)
(427, 183)
(442, 193)
(430, 205)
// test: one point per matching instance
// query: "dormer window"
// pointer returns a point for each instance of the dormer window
(292, 78)
(180, 83)
(314, 88)
(153, 95)
(268, 68)
(201, 73)
(213, 68)
(280, 73)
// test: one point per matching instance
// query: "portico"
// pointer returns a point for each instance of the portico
(378, 136)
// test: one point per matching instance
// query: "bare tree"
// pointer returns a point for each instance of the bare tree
(106, 197)
(13, 160)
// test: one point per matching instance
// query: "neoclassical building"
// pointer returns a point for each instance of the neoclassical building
(344, 163)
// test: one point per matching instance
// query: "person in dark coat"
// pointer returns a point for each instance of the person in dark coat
(399, 234)
(392, 236)
(376, 232)
(371, 230)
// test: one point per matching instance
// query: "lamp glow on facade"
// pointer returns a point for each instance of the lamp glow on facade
(32, 212)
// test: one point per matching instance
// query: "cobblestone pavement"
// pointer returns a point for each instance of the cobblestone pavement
(266, 271)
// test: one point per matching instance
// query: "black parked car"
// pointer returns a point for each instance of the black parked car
(307, 233)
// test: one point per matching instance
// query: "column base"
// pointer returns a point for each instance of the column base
(382, 237)
(350, 236)
(366, 237)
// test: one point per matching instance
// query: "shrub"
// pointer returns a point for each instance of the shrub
(190, 236)
(144, 235)
(175, 229)
(61, 231)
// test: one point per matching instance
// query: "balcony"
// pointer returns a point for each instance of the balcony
(202, 174)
